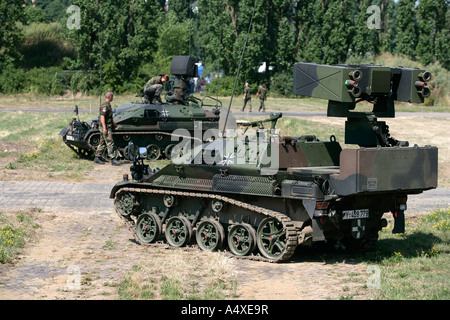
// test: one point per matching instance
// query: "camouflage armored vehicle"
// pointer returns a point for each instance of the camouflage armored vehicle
(150, 125)
(81, 137)
(262, 195)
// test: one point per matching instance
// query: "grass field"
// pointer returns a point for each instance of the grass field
(91, 103)
(30, 141)
(415, 265)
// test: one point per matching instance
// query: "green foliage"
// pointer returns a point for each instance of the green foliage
(54, 10)
(309, 45)
(364, 39)
(130, 41)
(111, 77)
(226, 85)
(120, 32)
(11, 239)
(14, 232)
(286, 48)
(281, 84)
(406, 39)
(173, 276)
(12, 80)
(172, 40)
(434, 23)
(85, 82)
(439, 219)
(46, 81)
(35, 15)
(11, 13)
(336, 19)
(43, 46)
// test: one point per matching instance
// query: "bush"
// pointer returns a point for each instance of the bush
(281, 85)
(49, 81)
(111, 77)
(11, 239)
(226, 85)
(43, 46)
(85, 82)
(12, 80)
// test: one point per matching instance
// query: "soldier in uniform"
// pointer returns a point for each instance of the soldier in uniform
(181, 91)
(247, 97)
(262, 93)
(106, 126)
(153, 88)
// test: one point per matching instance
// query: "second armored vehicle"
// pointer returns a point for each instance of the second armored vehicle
(150, 125)
(265, 194)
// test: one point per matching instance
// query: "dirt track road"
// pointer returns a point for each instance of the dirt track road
(86, 237)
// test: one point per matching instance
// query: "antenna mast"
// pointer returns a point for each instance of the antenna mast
(239, 68)
(101, 49)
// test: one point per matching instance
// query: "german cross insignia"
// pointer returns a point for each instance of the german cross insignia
(227, 160)
(165, 113)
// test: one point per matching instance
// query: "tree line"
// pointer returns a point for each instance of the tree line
(122, 43)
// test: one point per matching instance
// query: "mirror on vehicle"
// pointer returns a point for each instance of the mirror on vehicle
(143, 152)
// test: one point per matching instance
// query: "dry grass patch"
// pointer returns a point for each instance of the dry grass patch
(179, 274)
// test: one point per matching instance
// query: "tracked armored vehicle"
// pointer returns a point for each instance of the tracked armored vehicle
(151, 125)
(261, 195)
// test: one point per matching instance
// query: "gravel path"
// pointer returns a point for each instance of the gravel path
(94, 197)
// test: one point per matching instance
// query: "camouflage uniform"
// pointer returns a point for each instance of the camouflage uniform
(262, 93)
(247, 98)
(106, 141)
(181, 91)
(153, 89)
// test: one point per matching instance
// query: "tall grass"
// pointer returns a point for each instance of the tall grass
(43, 45)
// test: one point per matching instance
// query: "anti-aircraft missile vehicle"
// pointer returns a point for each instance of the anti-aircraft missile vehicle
(262, 195)
(150, 125)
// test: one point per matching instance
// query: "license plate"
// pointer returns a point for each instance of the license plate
(70, 138)
(355, 214)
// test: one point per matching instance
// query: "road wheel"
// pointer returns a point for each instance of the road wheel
(153, 152)
(210, 235)
(148, 227)
(178, 231)
(242, 239)
(271, 238)
(125, 203)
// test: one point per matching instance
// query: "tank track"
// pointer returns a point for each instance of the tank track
(89, 153)
(82, 153)
(162, 133)
(155, 133)
(291, 233)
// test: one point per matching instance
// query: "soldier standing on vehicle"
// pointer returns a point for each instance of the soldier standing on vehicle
(247, 97)
(106, 126)
(262, 93)
(181, 91)
(154, 87)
